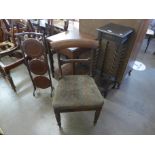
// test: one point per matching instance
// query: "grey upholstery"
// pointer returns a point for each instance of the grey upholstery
(77, 91)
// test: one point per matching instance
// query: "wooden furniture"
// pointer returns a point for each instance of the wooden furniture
(76, 92)
(140, 26)
(71, 53)
(149, 35)
(9, 49)
(8, 30)
(30, 26)
(34, 47)
(1, 33)
(12, 26)
(114, 40)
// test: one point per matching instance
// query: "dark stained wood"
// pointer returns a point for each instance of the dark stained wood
(12, 26)
(38, 66)
(42, 82)
(70, 34)
(72, 43)
(58, 118)
(33, 48)
(1, 33)
(6, 69)
(9, 47)
(88, 44)
(30, 26)
(71, 53)
(114, 40)
(149, 36)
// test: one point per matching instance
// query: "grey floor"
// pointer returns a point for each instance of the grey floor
(129, 110)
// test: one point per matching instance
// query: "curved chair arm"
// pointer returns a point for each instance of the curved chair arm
(70, 43)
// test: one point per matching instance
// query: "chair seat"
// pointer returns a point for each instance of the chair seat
(77, 91)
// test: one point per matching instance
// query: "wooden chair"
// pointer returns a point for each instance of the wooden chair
(76, 92)
(9, 49)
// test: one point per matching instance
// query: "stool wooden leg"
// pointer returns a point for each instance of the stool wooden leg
(97, 114)
(58, 118)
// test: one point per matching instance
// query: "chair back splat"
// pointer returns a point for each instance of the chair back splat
(91, 45)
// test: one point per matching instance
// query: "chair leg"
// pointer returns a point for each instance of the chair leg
(58, 118)
(11, 81)
(97, 114)
(2, 72)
